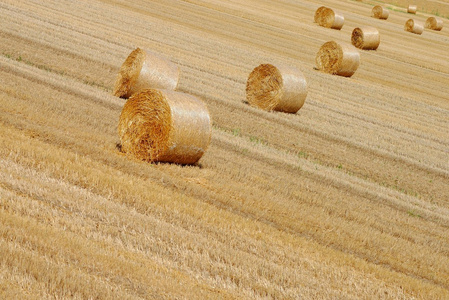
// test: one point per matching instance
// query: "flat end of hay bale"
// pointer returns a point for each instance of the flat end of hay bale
(409, 25)
(318, 13)
(280, 88)
(413, 26)
(366, 38)
(145, 125)
(264, 87)
(164, 126)
(357, 38)
(326, 17)
(129, 72)
(434, 23)
(334, 59)
(329, 57)
(380, 12)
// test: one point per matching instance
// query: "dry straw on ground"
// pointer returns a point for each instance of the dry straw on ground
(166, 126)
(412, 9)
(434, 23)
(366, 38)
(326, 17)
(414, 26)
(280, 88)
(144, 70)
(380, 12)
(338, 59)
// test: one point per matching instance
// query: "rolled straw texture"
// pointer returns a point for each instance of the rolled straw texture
(165, 126)
(412, 9)
(318, 13)
(338, 59)
(366, 38)
(434, 23)
(380, 12)
(414, 26)
(330, 19)
(280, 88)
(143, 70)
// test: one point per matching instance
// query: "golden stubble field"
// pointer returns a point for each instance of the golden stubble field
(347, 199)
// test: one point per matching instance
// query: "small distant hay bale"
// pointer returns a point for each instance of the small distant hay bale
(330, 19)
(366, 38)
(318, 13)
(414, 26)
(145, 70)
(412, 9)
(165, 126)
(280, 88)
(338, 59)
(380, 12)
(434, 23)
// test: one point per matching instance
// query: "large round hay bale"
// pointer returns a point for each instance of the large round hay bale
(165, 126)
(411, 9)
(338, 59)
(380, 12)
(279, 88)
(318, 13)
(414, 26)
(434, 23)
(330, 19)
(144, 70)
(366, 38)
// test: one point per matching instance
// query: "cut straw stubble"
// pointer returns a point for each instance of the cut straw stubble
(337, 59)
(144, 70)
(165, 126)
(280, 88)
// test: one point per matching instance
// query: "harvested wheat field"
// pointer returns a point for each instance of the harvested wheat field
(346, 199)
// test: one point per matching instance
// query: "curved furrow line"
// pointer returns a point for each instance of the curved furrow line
(324, 134)
(405, 135)
(146, 234)
(346, 198)
(272, 221)
(95, 49)
(400, 127)
(401, 122)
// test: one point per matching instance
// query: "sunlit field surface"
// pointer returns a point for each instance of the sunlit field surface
(346, 199)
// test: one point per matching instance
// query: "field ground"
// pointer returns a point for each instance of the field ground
(347, 199)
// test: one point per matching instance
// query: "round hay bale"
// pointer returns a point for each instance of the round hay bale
(338, 59)
(143, 70)
(165, 126)
(380, 12)
(366, 38)
(412, 9)
(434, 23)
(318, 13)
(279, 88)
(414, 26)
(330, 19)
